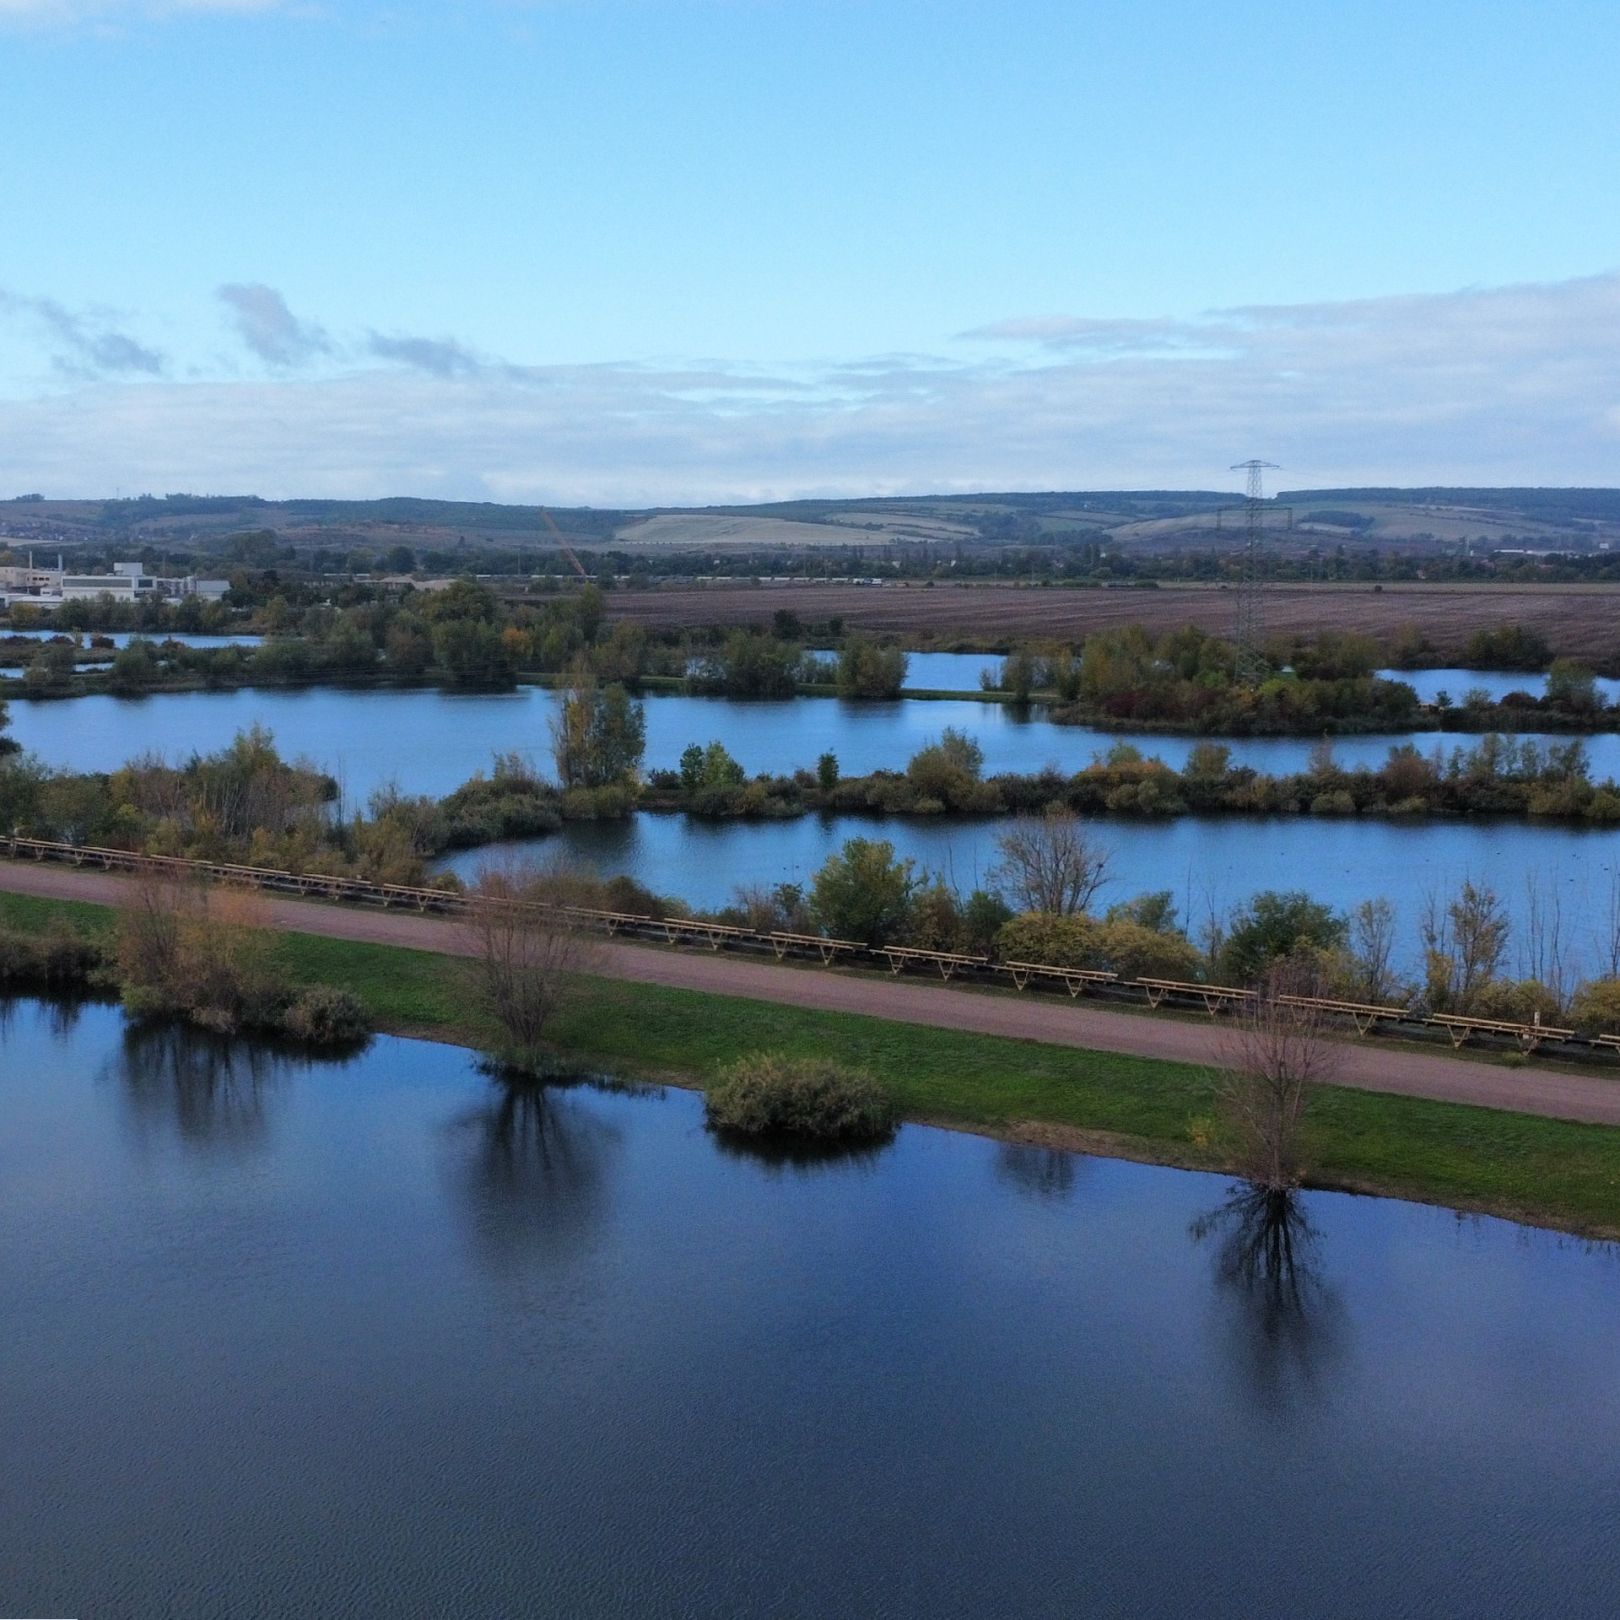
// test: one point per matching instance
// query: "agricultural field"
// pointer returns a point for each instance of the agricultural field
(1581, 621)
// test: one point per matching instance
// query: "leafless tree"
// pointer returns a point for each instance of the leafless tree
(1543, 950)
(1277, 1050)
(1372, 944)
(526, 959)
(1050, 862)
(1608, 930)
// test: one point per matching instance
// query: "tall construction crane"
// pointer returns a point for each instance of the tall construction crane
(562, 545)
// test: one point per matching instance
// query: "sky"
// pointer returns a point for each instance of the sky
(635, 252)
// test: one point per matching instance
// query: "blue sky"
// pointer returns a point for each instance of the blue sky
(681, 250)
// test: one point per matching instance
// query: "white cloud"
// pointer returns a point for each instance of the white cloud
(63, 13)
(1516, 385)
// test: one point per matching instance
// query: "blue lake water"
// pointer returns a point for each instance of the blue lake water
(1208, 864)
(382, 1339)
(430, 741)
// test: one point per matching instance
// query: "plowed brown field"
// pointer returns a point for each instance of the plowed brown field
(1577, 620)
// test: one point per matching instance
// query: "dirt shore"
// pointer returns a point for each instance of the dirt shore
(1587, 1098)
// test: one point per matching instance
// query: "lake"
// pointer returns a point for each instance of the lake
(430, 741)
(1208, 863)
(383, 1339)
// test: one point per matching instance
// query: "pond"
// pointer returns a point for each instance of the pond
(1208, 863)
(430, 741)
(1457, 683)
(383, 1338)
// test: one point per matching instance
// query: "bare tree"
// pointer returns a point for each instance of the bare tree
(1543, 950)
(1372, 944)
(526, 958)
(1050, 862)
(1278, 1049)
(1608, 930)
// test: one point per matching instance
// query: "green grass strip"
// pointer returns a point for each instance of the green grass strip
(1519, 1165)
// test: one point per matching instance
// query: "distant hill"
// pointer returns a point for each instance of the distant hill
(1123, 520)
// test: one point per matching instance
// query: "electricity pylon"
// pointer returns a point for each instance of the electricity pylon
(1249, 628)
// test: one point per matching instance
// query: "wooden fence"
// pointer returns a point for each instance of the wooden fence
(1213, 999)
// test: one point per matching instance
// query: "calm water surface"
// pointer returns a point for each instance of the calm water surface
(431, 741)
(382, 1339)
(1208, 864)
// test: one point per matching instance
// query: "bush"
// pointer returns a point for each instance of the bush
(767, 1094)
(324, 1016)
(1135, 951)
(1045, 937)
(58, 959)
(1595, 1008)
(1516, 1001)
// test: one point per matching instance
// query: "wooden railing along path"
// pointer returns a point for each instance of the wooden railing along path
(1214, 999)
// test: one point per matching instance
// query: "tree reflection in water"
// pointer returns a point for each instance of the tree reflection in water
(1289, 1324)
(64, 1011)
(211, 1090)
(1039, 1172)
(529, 1166)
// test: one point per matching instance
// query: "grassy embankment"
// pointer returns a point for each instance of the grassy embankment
(1546, 1171)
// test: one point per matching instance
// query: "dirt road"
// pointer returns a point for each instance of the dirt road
(1370, 1066)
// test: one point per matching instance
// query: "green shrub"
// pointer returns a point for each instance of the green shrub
(325, 1016)
(1516, 1001)
(1046, 937)
(1135, 951)
(58, 959)
(1595, 1007)
(814, 1099)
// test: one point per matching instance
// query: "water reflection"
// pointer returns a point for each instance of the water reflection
(785, 1155)
(529, 1166)
(62, 1013)
(1042, 1173)
(210, 1091)
(1287, 1324)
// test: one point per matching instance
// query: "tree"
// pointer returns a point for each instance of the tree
(1464, 943)
(709, 767)
(947, 770)
(472, 653)
(1050, 863)
(1570, 686)
(525, 961)
(599, 735)
(1278, 1050)
(1372, 949)
(133, 667)
(826, 766)
(863, 893)
(869, 671)
(1273, 926)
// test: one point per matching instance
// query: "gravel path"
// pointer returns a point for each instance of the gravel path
(1368, 1066)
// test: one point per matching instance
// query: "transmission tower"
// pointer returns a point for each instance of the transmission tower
(1249, 629)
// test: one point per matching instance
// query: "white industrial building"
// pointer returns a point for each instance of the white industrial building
(128, 582)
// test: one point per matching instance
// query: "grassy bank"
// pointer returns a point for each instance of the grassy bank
(1546, 1171)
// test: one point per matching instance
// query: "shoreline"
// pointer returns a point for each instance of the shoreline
(1145, 1090)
